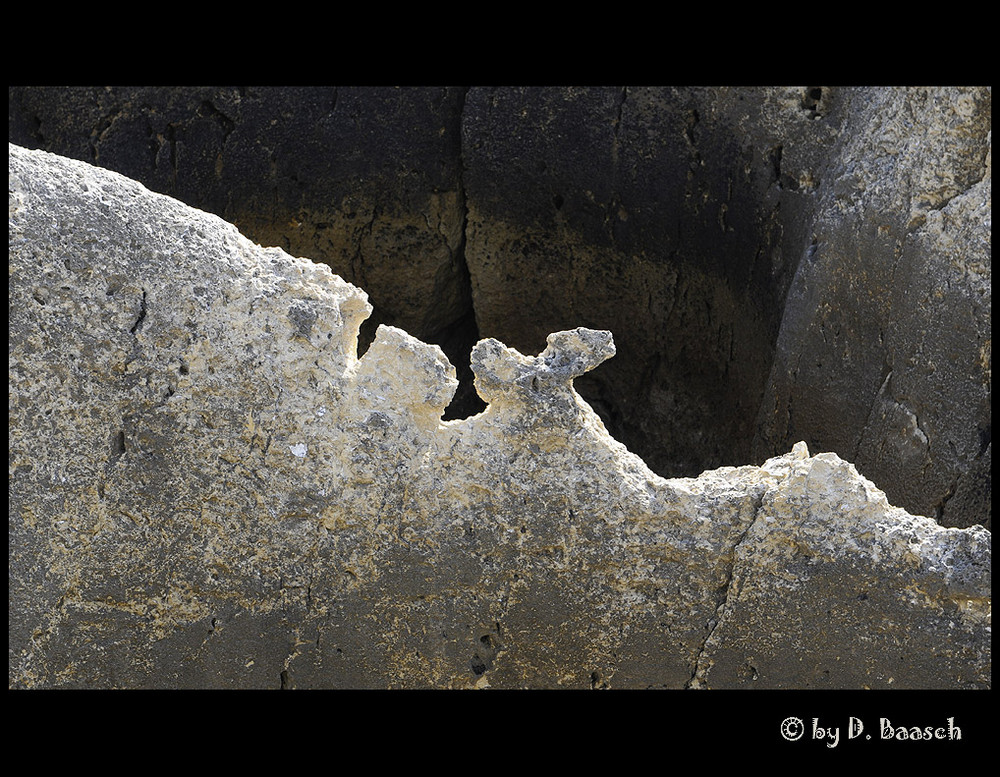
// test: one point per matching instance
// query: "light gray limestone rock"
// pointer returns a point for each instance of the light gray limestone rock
(208, 488)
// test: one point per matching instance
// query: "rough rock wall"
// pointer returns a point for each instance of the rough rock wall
(777, 264)
(364, 179)
(885, 349)
(208, 488)
(653, 213)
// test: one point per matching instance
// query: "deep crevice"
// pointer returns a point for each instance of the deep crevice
(458, 340)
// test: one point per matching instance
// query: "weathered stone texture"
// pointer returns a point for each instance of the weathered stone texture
(652, 213)
(884, 354)
(346, 175)
(208, 488)
(777, 264)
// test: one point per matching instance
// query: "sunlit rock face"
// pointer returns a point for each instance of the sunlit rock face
(778, 264)
(209, 488)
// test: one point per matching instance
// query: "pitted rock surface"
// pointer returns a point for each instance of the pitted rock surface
(209, 488)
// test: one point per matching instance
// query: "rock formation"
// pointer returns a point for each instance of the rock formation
(889, 311)
(777, 264)
(209, 488)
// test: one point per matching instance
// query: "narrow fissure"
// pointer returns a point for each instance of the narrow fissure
(701, 664)
(142, 315)
(458, 340)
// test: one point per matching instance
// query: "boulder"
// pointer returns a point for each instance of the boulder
(210, 488)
